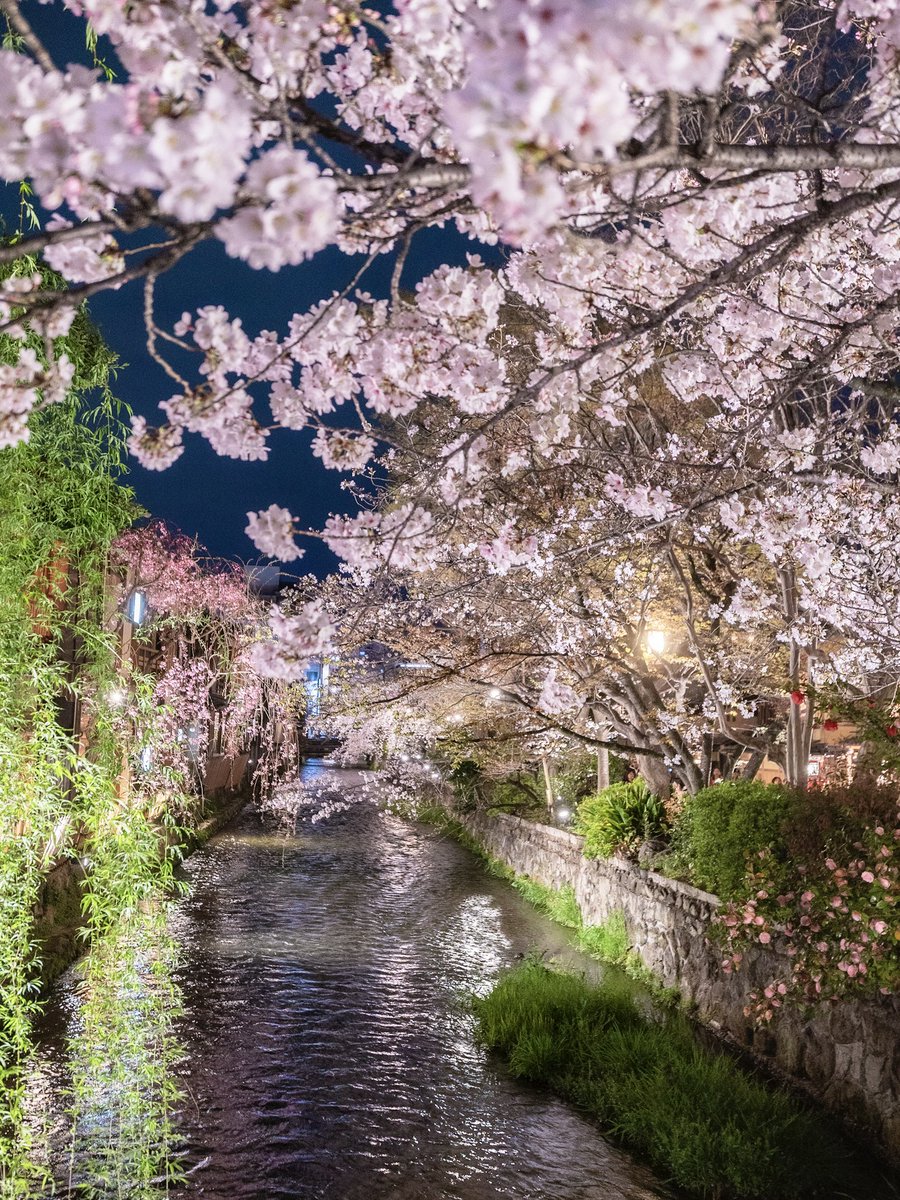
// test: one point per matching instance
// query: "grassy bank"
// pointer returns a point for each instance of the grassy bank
(608, 943)
(698, 1118)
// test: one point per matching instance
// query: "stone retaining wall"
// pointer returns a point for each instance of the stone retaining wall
(848, 1055)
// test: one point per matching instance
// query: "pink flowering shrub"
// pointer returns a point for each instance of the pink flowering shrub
(831, 909)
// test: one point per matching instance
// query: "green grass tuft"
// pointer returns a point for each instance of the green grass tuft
(696, 1116)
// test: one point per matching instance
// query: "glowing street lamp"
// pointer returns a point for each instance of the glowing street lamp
(656, 641)
(136, 606)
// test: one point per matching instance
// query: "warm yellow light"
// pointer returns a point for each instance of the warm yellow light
(656, 641)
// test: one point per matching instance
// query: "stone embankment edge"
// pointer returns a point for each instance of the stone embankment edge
(847, 1055)
(57, 917)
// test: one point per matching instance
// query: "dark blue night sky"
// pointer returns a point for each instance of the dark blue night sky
(202, 493)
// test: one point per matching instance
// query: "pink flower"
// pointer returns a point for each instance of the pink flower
(765, 938)
(868, 877)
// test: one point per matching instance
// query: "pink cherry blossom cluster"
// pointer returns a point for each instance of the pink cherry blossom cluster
(179, 581)
(181, 735)
(293, 640)
(558, 78)
(272, 532)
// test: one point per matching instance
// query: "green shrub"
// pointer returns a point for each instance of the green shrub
(695, 1115)
(723, 826)
(619, 818)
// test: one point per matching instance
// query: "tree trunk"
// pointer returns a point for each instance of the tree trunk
(548, 784)
(757, 757)
(655, 774)
(602, 769)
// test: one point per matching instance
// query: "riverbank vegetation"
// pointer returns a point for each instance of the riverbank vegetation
(815, 872)
(607, 943)
(696, 1116)
(104, 729)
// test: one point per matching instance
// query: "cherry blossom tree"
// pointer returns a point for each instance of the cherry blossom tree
(705, 189)
(547, 590)
(198, 646)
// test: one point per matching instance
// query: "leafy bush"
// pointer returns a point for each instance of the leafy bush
(619, 818)
(829, 897)
(817, 872)
(696, 1116)
(724, 826)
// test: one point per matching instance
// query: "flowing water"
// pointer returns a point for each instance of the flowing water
(326, 1046)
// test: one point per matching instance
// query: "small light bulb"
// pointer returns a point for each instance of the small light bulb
(116, 697)
(656, 641)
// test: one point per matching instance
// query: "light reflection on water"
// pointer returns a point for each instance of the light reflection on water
(329, 1050)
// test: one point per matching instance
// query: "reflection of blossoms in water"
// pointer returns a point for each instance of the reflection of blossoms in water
(309, 800)
(399, 786)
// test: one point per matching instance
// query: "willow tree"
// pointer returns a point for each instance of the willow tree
(62, 501)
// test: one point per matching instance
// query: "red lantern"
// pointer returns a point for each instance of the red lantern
(797, 697)
(830, 723)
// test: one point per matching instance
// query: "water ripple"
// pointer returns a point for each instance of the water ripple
(330, 1050)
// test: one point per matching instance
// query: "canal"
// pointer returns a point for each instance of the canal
(295, 1025)
(324, 1047)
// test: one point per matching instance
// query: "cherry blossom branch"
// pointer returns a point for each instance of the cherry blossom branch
(22, 27)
